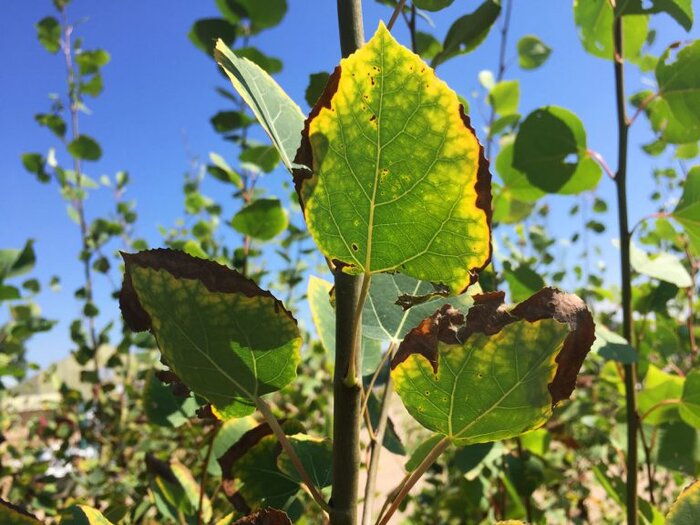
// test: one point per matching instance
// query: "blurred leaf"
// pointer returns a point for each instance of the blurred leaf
(317, 83)
(264, 158)
(427, 46)
(515, 181)
(90, 62)
(432, 5)
(262, 14)
(508, 209)
(163, 407)
(687, 211)
(52, 121)
(678, 448)
(270, 64)
(522, 281)
(659, 387)
(85, 148)
(594, 19)
(83, 515)
(468, 31)
(14, 515)
(610, 345)
(262, 517)
(17, 262)
(680, 10)
(689, 407)
(279, 116)
(316, 455)
(686, 509)
(49, 34)
(204, 33)
(532, 52)
(664, 266)
(678, 75)
(504, 97)
(225, 121)
(35, 163)
(263, 219)
(222, 171)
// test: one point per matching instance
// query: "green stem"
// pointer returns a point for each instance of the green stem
(626, 276)
(353, 363)
(347, 416)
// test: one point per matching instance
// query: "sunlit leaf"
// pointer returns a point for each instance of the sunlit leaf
(663, 121)
(515, 181)
(226, 339)
(504, 97)
(497, 372)
(659, 387)
(83, 515)
(680, 10)
(17, 262)
(85, 148)
(610, 345)
(388, 138)
(49, 33)
(663, 266)
(551, 151)
(263, 219)
(687, 211)
(467, 32)
(279, 116)
(532, 52)
(594, 19)
(686, 509)
(678, 75)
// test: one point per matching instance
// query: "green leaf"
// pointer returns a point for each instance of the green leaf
(468, 31)
(421, 452)
(522, 281)
(392, 441)
(532, 52)
(279, 116)
(610, 345)
(226, 339)
(397, 303)
(427, 46)
(13, 515)
(497, 373)
(680, 10)
(687, 211)
(225, 121)
(264, 517)
(49, 34)
(175, 489)
(678, 75)
(316, 456)
(90, 62)
(262, 14)
(85, 148)
(52, 121)
(663, 121)
(689, 407)
(35, 163)
(432, 5)
(323, 315)
(504, 97)
(515, 181)
(263, 219)
(17, 262)
(678, 448)
(551, 151)
(264, 158)
(687, 151)
(594, 19)
(270, 64)
(83, 515)
(686, 509)
(222, 171)
(163, 407)
(508, 209)
(317, 83)
(205, 33)
(659, 386)
(382, 146)
(664, 266)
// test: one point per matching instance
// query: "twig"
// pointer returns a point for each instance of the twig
(642, 107)
(205, 471)
(398, 9)
(601, 160)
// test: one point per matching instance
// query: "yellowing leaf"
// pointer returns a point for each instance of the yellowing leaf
(398, 179)
(686, 509)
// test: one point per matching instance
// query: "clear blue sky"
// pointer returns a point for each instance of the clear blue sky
(159, 88)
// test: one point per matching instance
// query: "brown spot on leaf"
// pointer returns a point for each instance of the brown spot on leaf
(265, 517)
(407, 301)
(489, 315)
(214, 276)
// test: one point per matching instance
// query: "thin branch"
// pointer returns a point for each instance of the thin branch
(642, 107)
(501, 69)
(601, 160)
(647, 461)
(398, 9)
(205, 471)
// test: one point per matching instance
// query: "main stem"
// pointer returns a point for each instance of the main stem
(347, 396)
(626, 277)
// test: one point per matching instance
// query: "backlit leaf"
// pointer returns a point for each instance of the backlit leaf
(678, 447)
(432, 5)
(17, 262)
(85, 148)
(317, 82)
(687, 211)
(497, 372)
(386, 139)
(468, 31)
(663, 266)
(594, 19)
(427, 45)
(279, 116)
(90, 62)
(551, 151)
(263, 158)
(504, 97)
(263, 219)
(678, 75)
(680, 10)
(663, 121)
(225, 338)
(49, 33)
(514, 180)
(522, 281)
(689, 407)
(206, 32)
(532, 52)
(686, 509)
(262, 14)
(659, 386)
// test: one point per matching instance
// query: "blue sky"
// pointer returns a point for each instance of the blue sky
(159, 95)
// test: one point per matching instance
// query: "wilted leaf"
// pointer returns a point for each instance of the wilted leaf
(497, 372)
(551, 151)
(532, 52)
(388, 138)
(263, 219)
(686, 509)
(279, 116)
(468, 31)
(226, 339)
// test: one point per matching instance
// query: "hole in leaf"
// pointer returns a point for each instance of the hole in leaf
(571, 158)
(354, 247)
